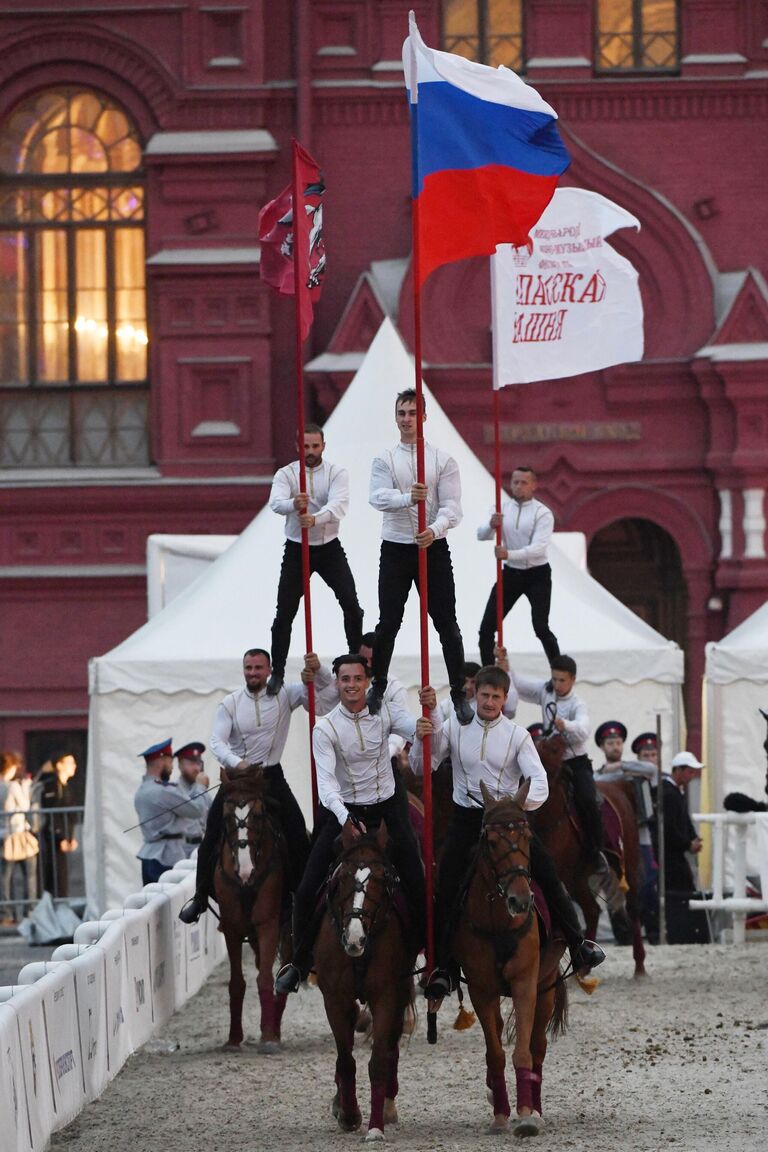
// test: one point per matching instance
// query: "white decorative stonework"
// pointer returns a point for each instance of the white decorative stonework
(754, 524)
(725, 524)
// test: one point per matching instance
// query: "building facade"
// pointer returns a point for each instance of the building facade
(146, 379)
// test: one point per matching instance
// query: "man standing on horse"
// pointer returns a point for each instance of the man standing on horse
(396, 492)
(251, 727)
(499, 753)
(319, 510)
(356, 785)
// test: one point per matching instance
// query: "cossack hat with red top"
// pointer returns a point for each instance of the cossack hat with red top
(164, 748)
(610, 728)
(643, 742)
(193, 751)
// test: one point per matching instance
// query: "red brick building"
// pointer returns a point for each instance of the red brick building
(145, 374)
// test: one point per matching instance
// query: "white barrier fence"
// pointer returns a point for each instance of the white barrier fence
(70, 1023)
(735, 827)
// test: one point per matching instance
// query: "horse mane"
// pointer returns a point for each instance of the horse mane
(243, 783)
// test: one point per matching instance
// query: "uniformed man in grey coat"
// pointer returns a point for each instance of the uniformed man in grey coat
(193, 782)
(162, 811)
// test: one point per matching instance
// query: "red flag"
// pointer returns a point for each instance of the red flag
(276, 234)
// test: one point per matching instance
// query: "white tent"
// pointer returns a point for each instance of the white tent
(167, 678)
(735, 689)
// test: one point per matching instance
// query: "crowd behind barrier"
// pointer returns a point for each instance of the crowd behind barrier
(48, 868)
(69, 1024)
(729, 891)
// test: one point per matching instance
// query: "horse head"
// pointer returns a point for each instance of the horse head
(249, 832)
(505, 839)
(551, 750)
(361, 892)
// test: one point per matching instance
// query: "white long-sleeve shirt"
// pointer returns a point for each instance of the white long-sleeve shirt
(393, 474)
(253, 726)
(571, 709)
(394, 694)
(498, 752)
(328, 500)
(525, 533)
(352, 755)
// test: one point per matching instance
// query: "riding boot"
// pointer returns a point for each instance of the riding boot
(206, 865)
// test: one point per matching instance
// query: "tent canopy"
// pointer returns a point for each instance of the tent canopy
(168, 676)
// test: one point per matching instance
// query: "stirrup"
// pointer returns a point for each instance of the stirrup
(587, 956)
(191, 912)
(287, 980)
(440, 984)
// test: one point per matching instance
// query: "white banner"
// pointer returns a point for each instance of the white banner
(570, 303)
(136, 927)
(119, 1046)
(14, 1115)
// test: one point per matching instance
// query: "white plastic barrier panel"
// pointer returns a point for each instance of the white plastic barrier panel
(27, 1003)
(136, 927)
(157, 907)
(60, 1009)
(14, 1114)
(119, 1046)
(91, 992)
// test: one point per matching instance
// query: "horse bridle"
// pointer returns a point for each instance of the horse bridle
(236, 837)
(343, 869)
(513, 846)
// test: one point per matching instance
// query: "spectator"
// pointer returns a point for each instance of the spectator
(20, 847)
(56, 839)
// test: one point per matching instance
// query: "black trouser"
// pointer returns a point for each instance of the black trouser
(152, 870)
(330, 563)
(461, 840)
(403, 850)
(398, 570)
(585, 799)
(536, 585)
(290, 817)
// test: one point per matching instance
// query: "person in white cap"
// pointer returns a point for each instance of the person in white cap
(680, 835)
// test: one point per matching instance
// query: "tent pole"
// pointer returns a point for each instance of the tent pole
(305, 569)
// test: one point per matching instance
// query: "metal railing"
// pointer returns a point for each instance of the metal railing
(61, 873)
(732, 899)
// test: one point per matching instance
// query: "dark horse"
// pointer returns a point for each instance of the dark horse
(558, 825)
(248, 885)
(498, 944)
(361, 955)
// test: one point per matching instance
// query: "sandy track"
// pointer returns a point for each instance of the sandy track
(679, 1060)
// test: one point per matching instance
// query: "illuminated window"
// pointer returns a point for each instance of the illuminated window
(490, 31)
(637, 36)
(73, 329)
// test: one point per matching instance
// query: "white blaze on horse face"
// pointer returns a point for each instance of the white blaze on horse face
(355, 934)
(244, 862)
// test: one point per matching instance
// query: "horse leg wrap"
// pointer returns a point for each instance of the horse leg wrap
(536, 1088)
(377, 1107)
(524, 1078)
(280, 1000)
(498, 1086)
(347, 1096)
(267, 1001)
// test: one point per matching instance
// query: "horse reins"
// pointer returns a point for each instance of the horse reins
(382, 870)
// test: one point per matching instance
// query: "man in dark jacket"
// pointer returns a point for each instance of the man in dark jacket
(680, 835)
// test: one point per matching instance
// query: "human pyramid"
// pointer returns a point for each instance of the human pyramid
(363, 711)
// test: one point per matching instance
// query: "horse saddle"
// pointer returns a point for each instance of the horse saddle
(613, 832)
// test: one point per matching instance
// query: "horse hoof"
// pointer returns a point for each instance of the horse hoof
(390, 1112)
(499, 1125)
(374, 1134)
(527, 1125)
(230, 1046)
(269, 1047)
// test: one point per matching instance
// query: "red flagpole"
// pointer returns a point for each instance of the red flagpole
(497, 475)
(424, 636)
(297, 201)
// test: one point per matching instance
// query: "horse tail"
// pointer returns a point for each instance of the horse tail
(558, 1024)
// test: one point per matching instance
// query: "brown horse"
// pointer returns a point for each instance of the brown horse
(558, 825)
(248, 885)
(497, 943)
(361, 955)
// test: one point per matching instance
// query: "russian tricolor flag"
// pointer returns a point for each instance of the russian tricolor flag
(486, 154)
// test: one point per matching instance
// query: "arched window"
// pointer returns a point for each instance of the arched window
(73, 330)
(489, 31)
(637, 36)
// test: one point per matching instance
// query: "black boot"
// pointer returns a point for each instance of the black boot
(275, 683)
(194, 908)
(461, 706)
(442, 981)
(586, 956)
(375, 695)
